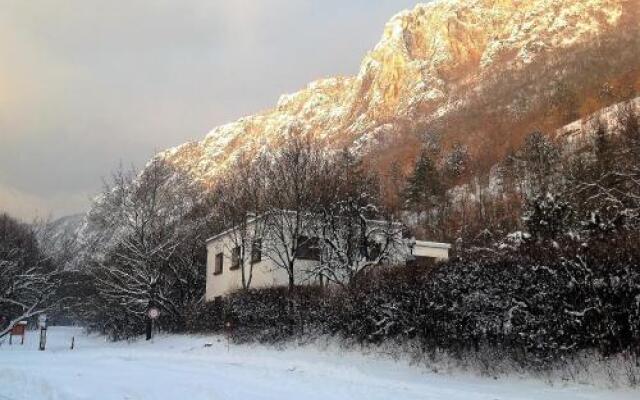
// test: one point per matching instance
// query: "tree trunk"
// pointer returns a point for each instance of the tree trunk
(292, 284)
(245, 285)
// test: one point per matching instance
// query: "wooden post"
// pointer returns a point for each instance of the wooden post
(42, 323)
(228, 326)
(43, 339)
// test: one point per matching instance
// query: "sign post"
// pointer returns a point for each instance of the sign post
(228, 327)
(152, 314)
(18, 330)
(42, 323)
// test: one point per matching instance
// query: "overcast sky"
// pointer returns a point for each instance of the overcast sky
(86, 85)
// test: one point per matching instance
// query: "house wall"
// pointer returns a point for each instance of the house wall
(437, 251)
(266, 273)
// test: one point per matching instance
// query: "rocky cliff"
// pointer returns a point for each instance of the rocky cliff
(481, 72)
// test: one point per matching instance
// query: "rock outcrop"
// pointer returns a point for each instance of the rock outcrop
(482, 72)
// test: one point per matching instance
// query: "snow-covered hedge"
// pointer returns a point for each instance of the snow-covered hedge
(538, 307)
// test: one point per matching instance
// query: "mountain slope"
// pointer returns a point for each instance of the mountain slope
(481, 72)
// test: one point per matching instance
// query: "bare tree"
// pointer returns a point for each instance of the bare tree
(352, 243)
(241, 196)
(295, 193)
(607, 185)
(355, 233)
(29, 282)
(153, 227)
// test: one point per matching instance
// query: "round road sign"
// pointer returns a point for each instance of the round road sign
(153, 313)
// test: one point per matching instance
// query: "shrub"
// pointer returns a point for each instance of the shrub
(537, 310)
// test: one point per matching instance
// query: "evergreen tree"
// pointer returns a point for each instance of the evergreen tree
(539, 160)
(425, 195)
(424, 186)
(456, 163)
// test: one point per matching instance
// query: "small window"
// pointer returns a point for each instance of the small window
(235, 258)
(371, 251)
(308, 248)
(375, 250)
(256, 251)
(217, 268)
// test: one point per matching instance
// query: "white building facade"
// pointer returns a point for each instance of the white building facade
(261, 260)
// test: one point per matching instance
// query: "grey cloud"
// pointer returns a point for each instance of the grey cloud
(86, 85)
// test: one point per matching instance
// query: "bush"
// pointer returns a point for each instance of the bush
(538, 310)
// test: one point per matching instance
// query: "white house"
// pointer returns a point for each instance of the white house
(263, 254)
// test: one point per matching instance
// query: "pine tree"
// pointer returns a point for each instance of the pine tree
(456, 163)
(424, 186)
(538, 163)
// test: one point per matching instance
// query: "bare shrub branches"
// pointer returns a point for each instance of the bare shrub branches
(29, 282)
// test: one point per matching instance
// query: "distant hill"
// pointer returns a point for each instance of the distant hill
(61, 239)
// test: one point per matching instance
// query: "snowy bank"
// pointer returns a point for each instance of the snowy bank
(207, 367)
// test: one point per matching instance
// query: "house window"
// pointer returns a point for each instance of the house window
(375, 250)
(217, 268)
(308, 248)
(256, 251)
(235, 258)
(371, 251)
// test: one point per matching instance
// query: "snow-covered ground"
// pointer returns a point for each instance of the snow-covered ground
(186, 367)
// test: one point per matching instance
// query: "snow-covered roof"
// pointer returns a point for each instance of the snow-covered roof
(433, 245)
(251, 220)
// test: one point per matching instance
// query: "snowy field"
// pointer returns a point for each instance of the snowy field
(182, 367)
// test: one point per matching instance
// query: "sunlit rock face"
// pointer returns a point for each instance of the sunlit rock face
(476, 71)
